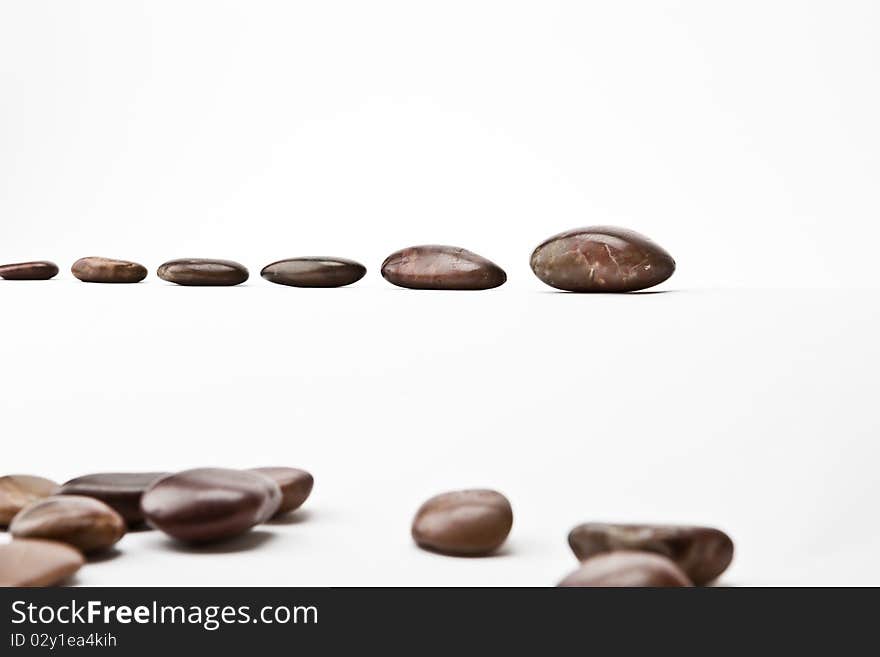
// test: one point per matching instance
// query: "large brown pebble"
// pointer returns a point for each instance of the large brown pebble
(295, 484)
(121, 491)
(108, 270)
(701, 552)
(464, 523)
(203, 272)
(314, 272)
(40, 270)
(18, 491)
(435, 267)
(35, 562)
(627, 569)
(83, 522)
(601, 259)
(210, 504)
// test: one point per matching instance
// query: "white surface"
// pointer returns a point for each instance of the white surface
(741, 137)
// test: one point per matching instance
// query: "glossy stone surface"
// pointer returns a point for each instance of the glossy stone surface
(18, 491)
(703, 553)
(295, 484)
(627, 569)
(203, 272)
(83, 522)
(467, 522)
(40, 270)
(601, 259)
(35, 562)
(108, 270)
(314, 272)
(210, 504)
(121, 491)
(435, 267)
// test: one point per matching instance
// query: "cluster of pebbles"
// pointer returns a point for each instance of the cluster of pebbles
(55, 528)
(592, 259)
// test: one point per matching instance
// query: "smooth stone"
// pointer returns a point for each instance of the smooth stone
(121, 491)
(18, 491)
(108, 270)
(434, 267)
(35, 562)
(295, 484)
(210, 504)
(314, 272)
(627, 569)
(39, 270)
(701, 552)
(83, 522)
(601, 259)
(203, 272)
(463, 523)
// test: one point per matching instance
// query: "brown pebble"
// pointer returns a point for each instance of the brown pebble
(601, 259)
(314, 272)
(39, 270)
(107, 270)
(295, 485)
(436, 267)
(467, 522)
(203, 272)
(703, 553)
(210, 504)
(83, 522)
(627, 569)
(121, 491)
(35, 562)
(18, 491)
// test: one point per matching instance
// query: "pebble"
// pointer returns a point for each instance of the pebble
(108, 270)
(18, 491)
(435, 267)
(627, 569)
(35, 562)
(467, 522)
(601, 259)
(314, 272)
(703, 553)
(83, 522)
(39, 270)
(121, 491)
(210, 504)
(295, 484)
(203, 272)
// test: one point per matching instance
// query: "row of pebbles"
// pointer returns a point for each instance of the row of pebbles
(592, 259)
(54, 528)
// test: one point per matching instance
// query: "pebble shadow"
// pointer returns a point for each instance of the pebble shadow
(104, 555)
(243, 543)
(292, 518)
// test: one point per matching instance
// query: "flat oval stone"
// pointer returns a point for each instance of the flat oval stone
(121, 491)
(203, 272)
(435, 267)
(18, 491)
(210, 504)
(627, 569)
(467, 522)
(601, 259)
(83, 522)
(108, 270)
(295, 484)
(703, 553)
(34, 562)
(39, 270)
(314, 272)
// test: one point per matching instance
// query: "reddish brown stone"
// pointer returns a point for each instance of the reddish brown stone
(41, 270)
(627, 569)
(35, 562)
(295, 484)
(463, 523)
(83, 522)
(108, 270)
(434, 267)
(19, 491)
(314, 272)
(601, 259)
(121, 491)
(203, 272)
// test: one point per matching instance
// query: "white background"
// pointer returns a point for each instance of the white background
(741, 136)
